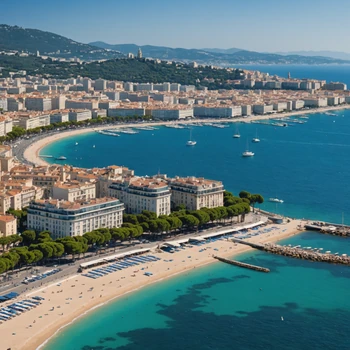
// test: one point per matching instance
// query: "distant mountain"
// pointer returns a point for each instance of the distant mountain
(226, 51)
(13, 38)
(219, 57)
(332, 54)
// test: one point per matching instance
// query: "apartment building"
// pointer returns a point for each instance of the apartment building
(8, 225)
(81, 104)
(80, 115)
(140, 194)
(30, 121)
(196, 193)
(64, 218)
(74, 190)
(217, 112)
(59, 117)
(38, 104)
(169, 114)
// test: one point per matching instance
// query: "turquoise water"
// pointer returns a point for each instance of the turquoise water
(306, 165)
(226, 307)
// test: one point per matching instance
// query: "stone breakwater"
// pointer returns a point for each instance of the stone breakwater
(300, 253)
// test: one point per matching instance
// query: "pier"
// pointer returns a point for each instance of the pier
(299, 253)
(329, 228)
(241, 264)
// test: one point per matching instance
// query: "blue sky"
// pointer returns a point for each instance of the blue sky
(260, 25)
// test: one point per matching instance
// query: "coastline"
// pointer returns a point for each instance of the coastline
(37, 326)
(31, 153)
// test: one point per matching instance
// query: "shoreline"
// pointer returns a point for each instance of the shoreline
(31, 153)
(38, 334)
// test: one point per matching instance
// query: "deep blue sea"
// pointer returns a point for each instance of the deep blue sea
(223, 307)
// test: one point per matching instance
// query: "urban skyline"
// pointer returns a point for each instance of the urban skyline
(190, 25)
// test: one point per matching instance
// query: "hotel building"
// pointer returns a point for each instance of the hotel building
(63, 218)
(75, 190)
(196, 193)
(140, 194)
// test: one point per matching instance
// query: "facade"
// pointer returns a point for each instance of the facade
(169, 114)
(8, 225)
(126, 112)
(100, 84)
(38, 104)
(59, 117)
(63, 218)
(217, 112)
(196, 193)
(28, 121)
(140, 194)
(78, 116)
(72, 191)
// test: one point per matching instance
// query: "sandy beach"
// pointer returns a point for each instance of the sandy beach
(73, 297)
(31, 154)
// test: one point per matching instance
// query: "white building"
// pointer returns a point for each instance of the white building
(38, 104)
(140, 194)
(168, 114)
(63, 218)
(196, 193)
(28, 121)
(75, 190)
(80, 115)
(217, 112)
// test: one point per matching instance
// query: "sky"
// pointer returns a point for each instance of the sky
(258, 25)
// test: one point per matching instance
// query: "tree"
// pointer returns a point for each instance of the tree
(175, 222)
(202, 216)
(130, 218)
(162, 225)
(153, 226)
(180, 207)
(256, 198)
(44, 236)
(20, 215)
(28, 237)
(149, 214)
(38, 255)
(145, 226)
(213, 214)
(245, 194)
(189, 221)
(26, 257)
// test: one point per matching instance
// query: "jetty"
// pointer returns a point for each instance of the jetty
(241, 264)
(299, 252)
(329, 228)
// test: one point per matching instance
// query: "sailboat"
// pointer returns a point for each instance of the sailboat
(256, 139)
(236, 135)
(247, 153)
(190, 142)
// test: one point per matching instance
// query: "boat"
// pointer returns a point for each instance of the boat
(76, 143)
(61, 158)
(247, 153)
(191, 142)
(276, 200)
(282, 318)
(256, 139)
(93, 146)
(236, 135)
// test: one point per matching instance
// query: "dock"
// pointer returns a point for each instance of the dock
(241, 264)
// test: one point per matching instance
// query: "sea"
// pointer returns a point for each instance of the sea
(299, 304)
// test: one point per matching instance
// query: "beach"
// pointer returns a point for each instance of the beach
(31, 153)
(73, 297)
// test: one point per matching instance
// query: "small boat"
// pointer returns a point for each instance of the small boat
(190, 142)
(276, 200)
(61, 158)
(282, 318)
(247, 153)
(93, 146)
(76, 143)
(236, 135)
(256, 139)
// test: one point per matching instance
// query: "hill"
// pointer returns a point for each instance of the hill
(15, 38)
(332, 54)
(133, 70)
(218, 57)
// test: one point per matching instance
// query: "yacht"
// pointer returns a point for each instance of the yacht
(276, 200)
(248, 154)
(76, 143)
(190, 142)
(256, 139)
(61, 158)
(236, 135)
(93, 146)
